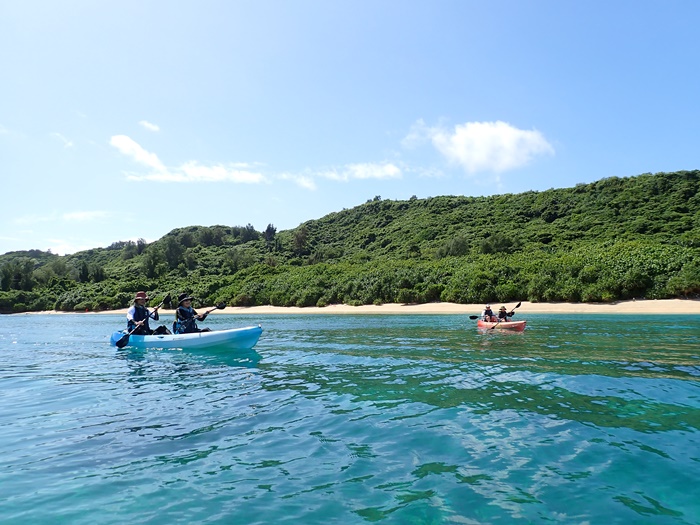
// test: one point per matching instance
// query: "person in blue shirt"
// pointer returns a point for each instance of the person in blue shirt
(186, 317)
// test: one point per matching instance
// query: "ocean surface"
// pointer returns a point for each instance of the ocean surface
(345, 419)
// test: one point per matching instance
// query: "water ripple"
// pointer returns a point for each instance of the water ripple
(344, 419)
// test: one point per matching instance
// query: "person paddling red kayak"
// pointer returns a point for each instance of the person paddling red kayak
(502, 321)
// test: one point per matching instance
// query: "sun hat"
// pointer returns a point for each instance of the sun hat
(502, 308)
(183, 297)
(141, 295)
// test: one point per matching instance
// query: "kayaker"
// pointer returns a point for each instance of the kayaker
(488, 315)
(137, 315)
(504, 315)
(186, 317)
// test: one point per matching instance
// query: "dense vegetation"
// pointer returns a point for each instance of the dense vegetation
(617, 238)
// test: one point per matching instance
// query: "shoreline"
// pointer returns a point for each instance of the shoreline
(646, 306)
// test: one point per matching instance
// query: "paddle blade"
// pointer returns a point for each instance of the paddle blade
(517, 305)
(473, 317)
(123, 341)
(221, 306)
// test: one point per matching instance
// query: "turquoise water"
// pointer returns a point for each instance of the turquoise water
(354, 419)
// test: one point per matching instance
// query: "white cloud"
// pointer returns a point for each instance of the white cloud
(303, 181)
(188, 172)
(84, 216)
(385, 170)
(149, 126)
(66, 143)
(428, 173)
(417, 135)
(194, 172)
(246, 165)
(27, 220)
(362, 171)
(220, 173)
(483, 146)
(131, 148)
(241, 173)
(73, 216)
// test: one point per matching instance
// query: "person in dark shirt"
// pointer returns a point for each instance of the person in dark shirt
(503, 315)
(186, 317)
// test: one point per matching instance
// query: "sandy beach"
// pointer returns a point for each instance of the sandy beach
(661, 306)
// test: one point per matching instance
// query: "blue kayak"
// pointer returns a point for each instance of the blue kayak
(241, 338)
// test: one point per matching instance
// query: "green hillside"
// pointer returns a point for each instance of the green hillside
(617, 238)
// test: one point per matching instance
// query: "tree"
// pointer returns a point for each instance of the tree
(237, 259)
(141, 245)
(97, 273)
(17, 275)
(152, 262)
(129, 250)
(499, 242)
(687, 281)
(456, 246)
(249, 233)
(269, 236)
(5, 277)
(300, 239)
(83, 272)
(172, 251)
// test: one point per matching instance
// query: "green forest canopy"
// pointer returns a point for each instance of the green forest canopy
(617, 238)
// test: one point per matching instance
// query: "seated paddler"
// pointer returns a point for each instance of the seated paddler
(138, 314)
(186, 317)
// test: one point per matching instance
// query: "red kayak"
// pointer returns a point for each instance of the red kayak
(516, 326)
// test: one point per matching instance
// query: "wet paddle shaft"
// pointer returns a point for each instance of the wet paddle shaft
(511, 313)
(200, 317)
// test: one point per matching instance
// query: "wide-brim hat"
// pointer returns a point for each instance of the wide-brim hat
(183, 297)
(141, 295)
(502, 308)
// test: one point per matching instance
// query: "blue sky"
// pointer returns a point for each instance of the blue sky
(124, 120)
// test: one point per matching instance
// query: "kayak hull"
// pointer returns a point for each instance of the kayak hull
(241, 338)
(514, 326)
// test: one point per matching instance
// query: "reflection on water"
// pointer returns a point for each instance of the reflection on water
(210, 356)
(350, 419)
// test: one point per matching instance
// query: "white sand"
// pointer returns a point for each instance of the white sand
(661, 306)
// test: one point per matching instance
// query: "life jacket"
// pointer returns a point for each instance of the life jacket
(141, 313)
(184, 321)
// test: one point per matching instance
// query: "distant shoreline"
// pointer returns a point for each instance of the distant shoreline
(647, 306)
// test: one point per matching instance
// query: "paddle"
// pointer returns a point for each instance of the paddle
(511, 313)
(124, 340)
(189, 322)
(219, 306)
